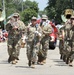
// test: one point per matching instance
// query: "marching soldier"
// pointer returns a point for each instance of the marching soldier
(46, 30)
(14, 28)
(65, 48)
(71, 42)
(61, 41)
(33, 35)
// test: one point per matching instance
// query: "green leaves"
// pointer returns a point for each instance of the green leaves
(30, 8)
(56, 7)
(28, 14)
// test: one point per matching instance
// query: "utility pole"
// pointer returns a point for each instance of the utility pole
(4, 13)
(71, 4)
(22, 5)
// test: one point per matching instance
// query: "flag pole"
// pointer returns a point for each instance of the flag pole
(4, 13)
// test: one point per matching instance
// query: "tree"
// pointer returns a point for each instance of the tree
(27, 15)
(42, 12)
(30, 9)
(32, 5)
(56, 7)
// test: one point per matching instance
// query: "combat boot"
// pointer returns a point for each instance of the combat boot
(61, 56)
(64, 58)
(29, 63)
(41, 63)
(9, 59)
(33, 65)
(70, 64)
(16, 60)
(44, 61)
(13, 62)
(67, 60)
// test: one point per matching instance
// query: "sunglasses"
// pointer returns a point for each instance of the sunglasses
(33, 20)
(72, 18)
(15, 16)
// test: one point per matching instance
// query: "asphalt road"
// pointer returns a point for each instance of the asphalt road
(53, 66)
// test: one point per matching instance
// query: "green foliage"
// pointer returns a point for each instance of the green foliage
(29, 8)
(27, 15)
(56, 7)
(42, 12)
(32, 5)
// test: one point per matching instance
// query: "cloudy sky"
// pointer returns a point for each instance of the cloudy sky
(41, 3)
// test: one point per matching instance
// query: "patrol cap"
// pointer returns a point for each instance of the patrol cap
(34, 18)
(16, 14)
(44, 17)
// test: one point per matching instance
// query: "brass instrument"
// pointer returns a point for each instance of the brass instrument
(67, 14)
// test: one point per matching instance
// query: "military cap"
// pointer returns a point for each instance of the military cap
(16, 14)
(44, 17)
(34, 18)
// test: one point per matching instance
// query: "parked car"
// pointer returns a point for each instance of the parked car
(53, 37)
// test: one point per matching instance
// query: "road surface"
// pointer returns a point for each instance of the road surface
(54, 65)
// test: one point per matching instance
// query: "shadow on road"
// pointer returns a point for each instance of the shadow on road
(22, 66)
(59, 62)
(4, 62)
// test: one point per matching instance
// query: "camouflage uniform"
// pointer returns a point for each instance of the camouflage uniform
(71, 54)
(67, 49)
(61, 41)
(14, 36)
(32, 43)
(46, 30)
(71, 42)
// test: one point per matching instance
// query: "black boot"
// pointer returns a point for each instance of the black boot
(9, 59)
(64, 58)
(61, 56)
(33, 65)
(67, 61)
(70, 64)
(29, 62)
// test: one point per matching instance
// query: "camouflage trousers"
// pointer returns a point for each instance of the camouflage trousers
(71, 53)
(14, 46)
(32, 51)
(42, 55)
(61, 46)
(68, 52)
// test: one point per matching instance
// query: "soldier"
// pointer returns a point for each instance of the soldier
(33, 34)
(46, 30)
(61, 41)
(65, 39)
(71, 42)
(14, 28)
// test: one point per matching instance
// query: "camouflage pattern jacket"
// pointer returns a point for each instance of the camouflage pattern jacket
(33, 33)
(13, 33)
(46, 30)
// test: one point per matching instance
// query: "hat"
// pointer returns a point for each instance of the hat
(16, 14)
(34, 18)
(44, 17)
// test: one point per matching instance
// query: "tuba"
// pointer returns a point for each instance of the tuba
(67, 14)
